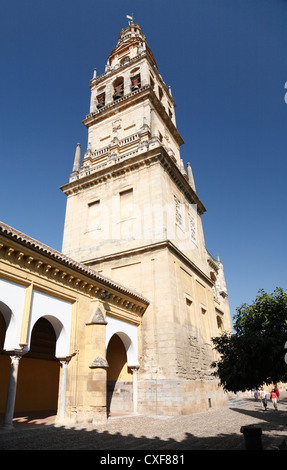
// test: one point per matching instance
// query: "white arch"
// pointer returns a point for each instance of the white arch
(128, 335)
(10, 323)
(59, 314)
(57, 311)
(12, 298)
(60, 333)
(6, 312)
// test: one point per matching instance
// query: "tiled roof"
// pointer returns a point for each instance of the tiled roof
(35, 245)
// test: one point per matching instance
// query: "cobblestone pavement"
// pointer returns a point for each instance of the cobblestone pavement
(216, 429)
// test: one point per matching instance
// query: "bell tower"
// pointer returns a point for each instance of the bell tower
(132, 90)
(133, 214)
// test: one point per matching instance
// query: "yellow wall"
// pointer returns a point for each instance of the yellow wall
(38, 385)
(38, 373)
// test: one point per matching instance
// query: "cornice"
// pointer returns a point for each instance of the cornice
(145, 92)
(116, 106)
(94, 82)
(154, 247)
(132, 163)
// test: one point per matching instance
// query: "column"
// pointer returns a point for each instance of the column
(109, 93)
(12, 387)
(63, 388)
(135, 388)
(127, 84)
(151, 125)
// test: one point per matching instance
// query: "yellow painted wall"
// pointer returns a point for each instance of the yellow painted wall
(38, 385)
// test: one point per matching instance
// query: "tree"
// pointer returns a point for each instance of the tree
(256, 352)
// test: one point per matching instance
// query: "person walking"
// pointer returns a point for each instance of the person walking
(274, 398)
(263, 398)
(255, 393)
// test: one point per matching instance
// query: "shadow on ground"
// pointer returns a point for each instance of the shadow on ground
(54, 437)
(59, 438)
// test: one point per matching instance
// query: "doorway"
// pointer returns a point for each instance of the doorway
(39, 369)
(119, 378)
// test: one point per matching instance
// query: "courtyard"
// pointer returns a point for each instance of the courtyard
(215, 429)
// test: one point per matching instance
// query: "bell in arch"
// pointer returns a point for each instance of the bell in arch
(101, 100)
(118, 91)
(136, 83)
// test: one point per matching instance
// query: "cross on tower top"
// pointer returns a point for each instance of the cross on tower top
(130, 18)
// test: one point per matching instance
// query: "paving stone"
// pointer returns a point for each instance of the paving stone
(215, 429)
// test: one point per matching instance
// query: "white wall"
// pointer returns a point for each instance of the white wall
(128, 335)
(57, 311)
(13, 297)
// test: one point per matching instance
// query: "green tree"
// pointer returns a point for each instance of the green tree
(256, 352)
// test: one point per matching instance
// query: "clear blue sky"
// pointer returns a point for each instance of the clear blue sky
(226, 63)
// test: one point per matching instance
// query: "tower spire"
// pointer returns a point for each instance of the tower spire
(77, 160)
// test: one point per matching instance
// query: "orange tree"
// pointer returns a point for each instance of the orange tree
(256, 352)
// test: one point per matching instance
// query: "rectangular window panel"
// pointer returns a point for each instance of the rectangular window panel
(94, 216)
(126, 204)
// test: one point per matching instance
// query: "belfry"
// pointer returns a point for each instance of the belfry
(134, 216)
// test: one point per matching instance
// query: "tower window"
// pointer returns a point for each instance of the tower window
(124, 60)
(118, 88)
(220, 325)
(126, 204)
(135, 82)
(101, 100)
(94, 216)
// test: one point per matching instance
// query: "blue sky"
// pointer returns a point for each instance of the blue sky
(226, 63)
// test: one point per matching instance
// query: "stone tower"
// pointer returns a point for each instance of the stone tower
(134, 215)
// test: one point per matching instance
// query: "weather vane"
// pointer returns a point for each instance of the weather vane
(130, 17)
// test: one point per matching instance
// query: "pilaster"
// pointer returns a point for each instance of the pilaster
(26, 316)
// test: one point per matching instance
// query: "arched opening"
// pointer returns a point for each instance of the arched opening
(119, 376)
(135, 82)
(4, 365)
(118, 88)
(38, 377)
(101, 99)
(125, 60)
